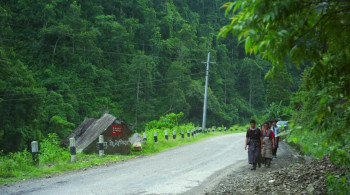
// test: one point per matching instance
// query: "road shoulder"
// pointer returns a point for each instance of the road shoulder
(238, 178)
(290, 173)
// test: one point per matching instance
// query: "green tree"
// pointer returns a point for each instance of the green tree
(278, 88)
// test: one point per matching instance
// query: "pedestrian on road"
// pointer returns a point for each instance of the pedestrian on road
(268, 144)
(254, 140)
(275, 130)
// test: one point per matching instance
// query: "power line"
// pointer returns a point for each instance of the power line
(110, 40)
(95, 92)
(89, 88)
(112, 52)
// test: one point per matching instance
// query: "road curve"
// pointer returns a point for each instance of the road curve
(170, 172)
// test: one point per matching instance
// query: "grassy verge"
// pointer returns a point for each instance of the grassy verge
(54, 160)
(30, 171)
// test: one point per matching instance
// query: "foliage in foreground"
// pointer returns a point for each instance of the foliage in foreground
(312, 33)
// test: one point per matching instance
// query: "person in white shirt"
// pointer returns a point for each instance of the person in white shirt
(275, 130)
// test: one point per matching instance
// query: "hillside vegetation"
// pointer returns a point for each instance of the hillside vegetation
(64, 61)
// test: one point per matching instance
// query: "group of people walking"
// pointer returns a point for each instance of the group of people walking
(262, 143)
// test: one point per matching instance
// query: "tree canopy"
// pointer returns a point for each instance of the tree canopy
(304, 32)
(63, 61)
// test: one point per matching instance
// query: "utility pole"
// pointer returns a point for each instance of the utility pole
(206, 92)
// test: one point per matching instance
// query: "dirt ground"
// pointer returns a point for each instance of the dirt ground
(290, 173)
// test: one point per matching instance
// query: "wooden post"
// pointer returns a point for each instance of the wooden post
(35, 152)
(72, 149)
(155, 137)
(101, 151)
(174, 135)
(166, 135)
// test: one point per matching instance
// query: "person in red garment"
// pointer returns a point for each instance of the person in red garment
(268, 144)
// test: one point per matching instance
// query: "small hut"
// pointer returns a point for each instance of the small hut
(114, 131)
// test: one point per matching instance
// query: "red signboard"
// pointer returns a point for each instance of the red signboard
(116, 130)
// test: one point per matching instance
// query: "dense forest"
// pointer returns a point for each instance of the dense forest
(63, 61)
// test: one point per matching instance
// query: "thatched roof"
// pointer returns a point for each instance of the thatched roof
(89, 131)
(78, 131)
(92, 131)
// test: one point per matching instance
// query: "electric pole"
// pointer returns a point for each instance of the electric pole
(206, 92)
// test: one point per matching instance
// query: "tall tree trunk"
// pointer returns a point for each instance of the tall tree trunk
(137, 98)
(54, 50)
(250, 88)
(73, 46)
(225, 90)
(84, 54)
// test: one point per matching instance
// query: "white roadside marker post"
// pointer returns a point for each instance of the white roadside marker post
(182, 134)
(155, 137)
(72, 149)
(166, 135)
(101, 151)
(35, 152)
(144, 136)
(188, 134)
(174, 135)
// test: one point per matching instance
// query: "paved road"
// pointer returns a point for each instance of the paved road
(175, 171)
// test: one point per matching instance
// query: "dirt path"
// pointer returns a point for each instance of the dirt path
(232, 179)
(290, 173)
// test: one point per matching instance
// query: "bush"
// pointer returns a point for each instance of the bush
(168, 121)
(337, 184)
(51, 152)
(13, 162)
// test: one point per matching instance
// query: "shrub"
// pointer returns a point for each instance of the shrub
(337, 184)
(168, 121)
(13, 162)
(51, 152)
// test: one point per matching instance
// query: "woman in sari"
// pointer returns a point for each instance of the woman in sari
(268, 144)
